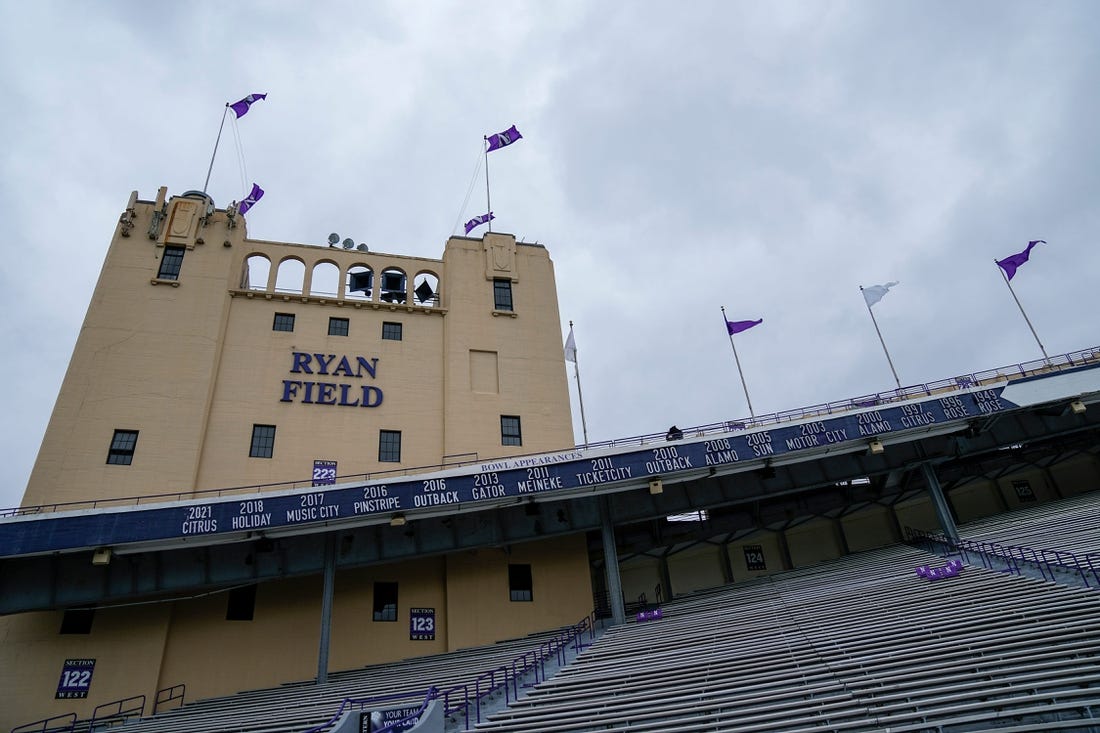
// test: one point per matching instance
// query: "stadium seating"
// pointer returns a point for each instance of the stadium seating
(859, 644)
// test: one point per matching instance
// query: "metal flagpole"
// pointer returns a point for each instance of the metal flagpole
(211, 168)
(580, 395)
(888, 359)
(1026, 319)
(738, 361)
(488, 201)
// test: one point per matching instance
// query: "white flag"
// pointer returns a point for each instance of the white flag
(874, 293)
(571, 348)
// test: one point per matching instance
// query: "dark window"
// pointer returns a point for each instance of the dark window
(77, 621)
(122, 448)
(510, 433)
(389, 446)
(502, 295)
(391, 331)
(337, 327)
(385, 601)
(283, 322)
(170, 263)
(242, 604)
(263, 441)
(519, 582)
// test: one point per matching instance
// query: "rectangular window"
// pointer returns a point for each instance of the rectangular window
(385, 601)
(263, 441)
(122, 448)
(283, 322)
(519, 582)
(502, 294)
(510, 433)
(77, 621)
(391, 331)
(337, 327)
(389, 446)
(170, 263)
(241, 605)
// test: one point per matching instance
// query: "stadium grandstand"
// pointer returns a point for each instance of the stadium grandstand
(924, 559)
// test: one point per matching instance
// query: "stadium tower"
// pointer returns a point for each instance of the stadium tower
(209, 360)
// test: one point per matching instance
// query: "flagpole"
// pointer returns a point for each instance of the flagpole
(219, 139)
(488, 202)
(580, 395)
(738, 361)
(1021, 307)
(881, 341)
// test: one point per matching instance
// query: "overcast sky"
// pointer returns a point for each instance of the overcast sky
(676, 157)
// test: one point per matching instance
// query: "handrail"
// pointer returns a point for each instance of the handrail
(1071, 360)
(171, 696)
(460, 692)
(42, 726)
(120, 713)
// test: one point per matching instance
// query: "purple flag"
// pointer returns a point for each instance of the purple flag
(1009, 264)
(501, 139)
(739, 326)
(478, 221)
(241, 108)
(251, 199)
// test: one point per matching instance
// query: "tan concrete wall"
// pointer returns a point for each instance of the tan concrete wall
(478, 607)
(976, 499)
(125, 642)
(1038, 483)
(1077, 475)
(813, 542)
(695, 569)
(640, 575)
(868, 528)
(918, 513)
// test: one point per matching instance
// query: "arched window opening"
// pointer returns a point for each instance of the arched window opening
(291, 276)
(392, 286)
(257, 268)
(426, 290)
(360, 283)
(326, 279)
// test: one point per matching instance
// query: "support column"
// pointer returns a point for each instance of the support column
(666, 577)
(326, 608)
(611, 563)
(939, 501)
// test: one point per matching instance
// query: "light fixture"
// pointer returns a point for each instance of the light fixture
(397, 520)
(656, 486)
(876, 446)
(1078, 407)
(102, 556)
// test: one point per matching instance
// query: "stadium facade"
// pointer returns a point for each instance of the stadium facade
(210, 360)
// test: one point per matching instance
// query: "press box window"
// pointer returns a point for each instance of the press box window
(389, 446)
(502, 294)
(241, 605)
(510, 433)
(519, 582)
(337, 327)
(391, 331)
(283, 322)
(122, 448)
(170, 263)
(263, 441)
(385, 601)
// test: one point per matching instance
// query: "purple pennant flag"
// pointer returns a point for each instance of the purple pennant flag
(251, 199)
(241, 108)
(1010, 264)
(739, 326)
(501, 139)
(478, 221)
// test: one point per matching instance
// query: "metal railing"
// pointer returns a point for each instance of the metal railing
(175, 692)
(128, 707)
(1072, 360)
(44, 725)
(1010, 558)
